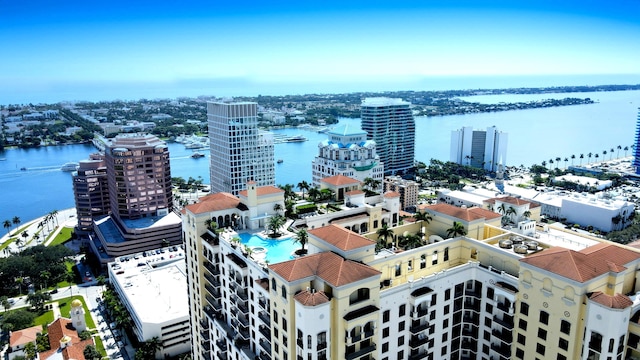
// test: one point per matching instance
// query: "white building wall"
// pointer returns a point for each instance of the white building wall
(606, 322)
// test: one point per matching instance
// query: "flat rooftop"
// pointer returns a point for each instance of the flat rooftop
(154, 283)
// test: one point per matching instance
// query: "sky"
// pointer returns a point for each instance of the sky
(72, 49)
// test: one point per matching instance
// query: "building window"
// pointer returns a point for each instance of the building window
(565, 327)
(401, 326)
(447, 294)
(443, 351)
(446, 254)
(273, 284)
(521, 339)
(561, 357)
(385, 333)
(398, 269)
(563, 344)
(544, 317)
(519, 354)
(524, 309)
(401, 341)
(385, 347)
(434, 258)
(402, 310)
(283, 289)
(385, 316)
(542, 334)
(540, 349)
(423, 261)
(595, 343)
(522, 325)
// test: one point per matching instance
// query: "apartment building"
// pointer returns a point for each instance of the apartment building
(90, 191)
(408, 190)
(493, 294)
(240, 152)
(347, 152)
(486, 149)
(390, 123)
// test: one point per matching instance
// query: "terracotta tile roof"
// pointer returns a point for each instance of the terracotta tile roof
(214, 202)
(340, 180)
(513, 200)
(354, 192)
(308, 298)
(465, 214)
(340, 237)
(585, 264)
(617, 301)
(263, 190)
(21, 337)
(328, 266)
(391, 194)
(57, 330)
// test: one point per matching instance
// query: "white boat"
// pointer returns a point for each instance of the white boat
(197, 155)
(70, 166)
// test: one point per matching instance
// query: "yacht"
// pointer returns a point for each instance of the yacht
(197, 155)
(70, 166)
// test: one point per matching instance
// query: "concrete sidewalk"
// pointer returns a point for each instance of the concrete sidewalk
(64, 218)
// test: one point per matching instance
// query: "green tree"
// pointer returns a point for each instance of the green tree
(7, 225)
(303, 185)
(302, 237)
(91, 353)
(314, 194)
(456, 230)
(384, 232)
(4, 301)
(38, 299)
(17, 319)
(275, 223)
(16, 221)
(30, 351)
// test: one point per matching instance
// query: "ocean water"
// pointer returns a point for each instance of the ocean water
(535, 135)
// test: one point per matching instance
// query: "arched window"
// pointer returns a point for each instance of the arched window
(361, 294)
(273, 285)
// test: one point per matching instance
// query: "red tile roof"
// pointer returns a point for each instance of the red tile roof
(340, 180)
(617, 301)
(354, 192)
(214, 202)
(57, 330)
(24, 336)
(308, 298)
(465, 214)
(263, 190)
(328, 266)
(340, 237)
(391, 194)
(585, 264)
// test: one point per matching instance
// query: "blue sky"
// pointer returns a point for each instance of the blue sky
(61, 46)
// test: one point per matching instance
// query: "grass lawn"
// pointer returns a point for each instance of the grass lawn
(7, 243)
(63, 236)
(44, 319)
(65, 309)
(99, 345)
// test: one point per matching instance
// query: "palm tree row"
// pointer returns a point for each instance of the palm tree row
(589, 155)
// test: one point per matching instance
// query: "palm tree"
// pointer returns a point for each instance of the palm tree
(303, 185)
(604, 155)
(423, 216)
(151, 346)
(611, 154)
(277, 207)
(573, 157)
(619, 148)
(510, 212)
(597, 156)
(456, 229)
(589, 155)
(302, 237)
(544, 164)
(526, 214)
(25, 235)
(502, 209)
(384, 232)
(558, 159)
(566, 160)
(288, 191)
(411, 241)
(275, 223)
(626, 148)
(7, 225)
(16, 221)
(314, 193)
(19, 243)
(581, 157)
(550, 164)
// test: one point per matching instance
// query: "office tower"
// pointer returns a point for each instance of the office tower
(239, 151)
(139, 176)
(389, 122)
(347, 152)
(90, 191)
(140, 196)
(636, 148)
(484, 149)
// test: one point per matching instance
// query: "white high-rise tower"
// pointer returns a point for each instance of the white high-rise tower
(479, 148)
(239, 151)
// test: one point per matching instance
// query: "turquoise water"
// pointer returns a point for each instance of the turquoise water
(277, 250)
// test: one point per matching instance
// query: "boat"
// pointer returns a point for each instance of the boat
(197, 155)
(23, 168)
(70, 166)
(280, 161)
(297, 138)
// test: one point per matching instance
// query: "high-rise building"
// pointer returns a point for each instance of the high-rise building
(240, 152)
(636, 148)
(390, 123)
(139, 176)
(408, 190)
(505, 295)
(484, 149)
(347, 152)
(140, 196)
(90, 191)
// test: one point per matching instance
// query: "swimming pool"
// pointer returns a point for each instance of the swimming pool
(277, 250)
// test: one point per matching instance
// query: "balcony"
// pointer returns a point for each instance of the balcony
(504, 336)
(221, 355)
(205, 335)
(472, 305)
(472, 332)
(206, 354)
(213, 291)
(419, 313)
(210, 312)
(321, 346)
(213, 269)
(266, 346)
(265, 355)
(503, 350)
(265, 331)
(505, 308)
(204, 324)
(418, 340)
(222, 345)
(418, 355)
(265, 318)
(367, 310)
(357, 354)
(507, 322)
(263, 303)
(417, 327)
